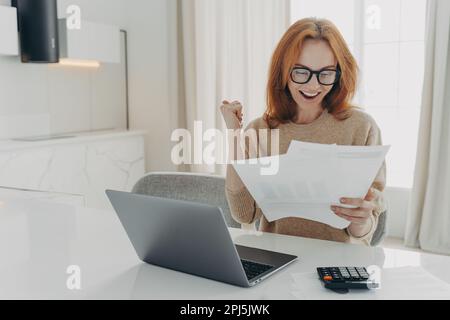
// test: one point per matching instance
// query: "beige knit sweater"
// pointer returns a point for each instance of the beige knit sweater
(358, 129)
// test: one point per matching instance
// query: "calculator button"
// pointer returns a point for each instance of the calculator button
(327, 278)
(364, 276)
(362, 272)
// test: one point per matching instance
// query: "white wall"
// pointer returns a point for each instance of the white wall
(48, 98)
(150, 25)
(38, 99)
(152, 83)
(398, 202)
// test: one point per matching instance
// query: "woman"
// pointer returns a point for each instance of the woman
(312, 79)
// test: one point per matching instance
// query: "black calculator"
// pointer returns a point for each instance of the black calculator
(341, 279)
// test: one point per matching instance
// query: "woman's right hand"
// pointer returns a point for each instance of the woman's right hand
(232, 114)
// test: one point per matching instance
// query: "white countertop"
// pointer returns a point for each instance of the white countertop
(67, 138)
(40, 240)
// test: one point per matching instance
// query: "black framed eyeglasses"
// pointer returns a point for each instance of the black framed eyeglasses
(326, 76)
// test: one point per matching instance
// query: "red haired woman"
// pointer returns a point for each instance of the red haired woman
(312, 80)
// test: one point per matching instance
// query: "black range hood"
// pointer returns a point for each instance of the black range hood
(38, 30)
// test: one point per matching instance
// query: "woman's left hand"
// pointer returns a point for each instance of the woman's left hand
(359, 216)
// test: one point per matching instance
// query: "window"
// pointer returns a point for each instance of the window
(387, 39)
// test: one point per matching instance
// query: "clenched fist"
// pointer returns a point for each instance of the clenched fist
(232, 114)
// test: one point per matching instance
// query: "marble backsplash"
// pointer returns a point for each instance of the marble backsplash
(77, 166)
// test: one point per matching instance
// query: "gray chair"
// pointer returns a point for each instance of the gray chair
(202, 188)
(381, 230)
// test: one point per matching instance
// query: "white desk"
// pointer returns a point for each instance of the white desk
(39, 240)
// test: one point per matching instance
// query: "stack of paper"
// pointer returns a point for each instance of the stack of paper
(310, 178)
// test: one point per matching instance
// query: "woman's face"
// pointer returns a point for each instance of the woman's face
(315, 55)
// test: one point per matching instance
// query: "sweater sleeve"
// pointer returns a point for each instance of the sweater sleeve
(242, 205)
(378, 185)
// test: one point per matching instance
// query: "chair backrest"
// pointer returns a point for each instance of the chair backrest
(202, 188)
(382, 227)
(380, 231)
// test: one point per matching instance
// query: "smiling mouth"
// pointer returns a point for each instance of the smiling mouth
(309, 96)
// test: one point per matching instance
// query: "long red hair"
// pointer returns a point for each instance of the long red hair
(281, 108)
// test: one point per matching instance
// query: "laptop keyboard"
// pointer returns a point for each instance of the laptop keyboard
(254, 269)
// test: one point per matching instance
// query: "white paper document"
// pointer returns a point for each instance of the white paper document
(310, 178)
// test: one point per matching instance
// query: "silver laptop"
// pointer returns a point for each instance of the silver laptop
(192, 238)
